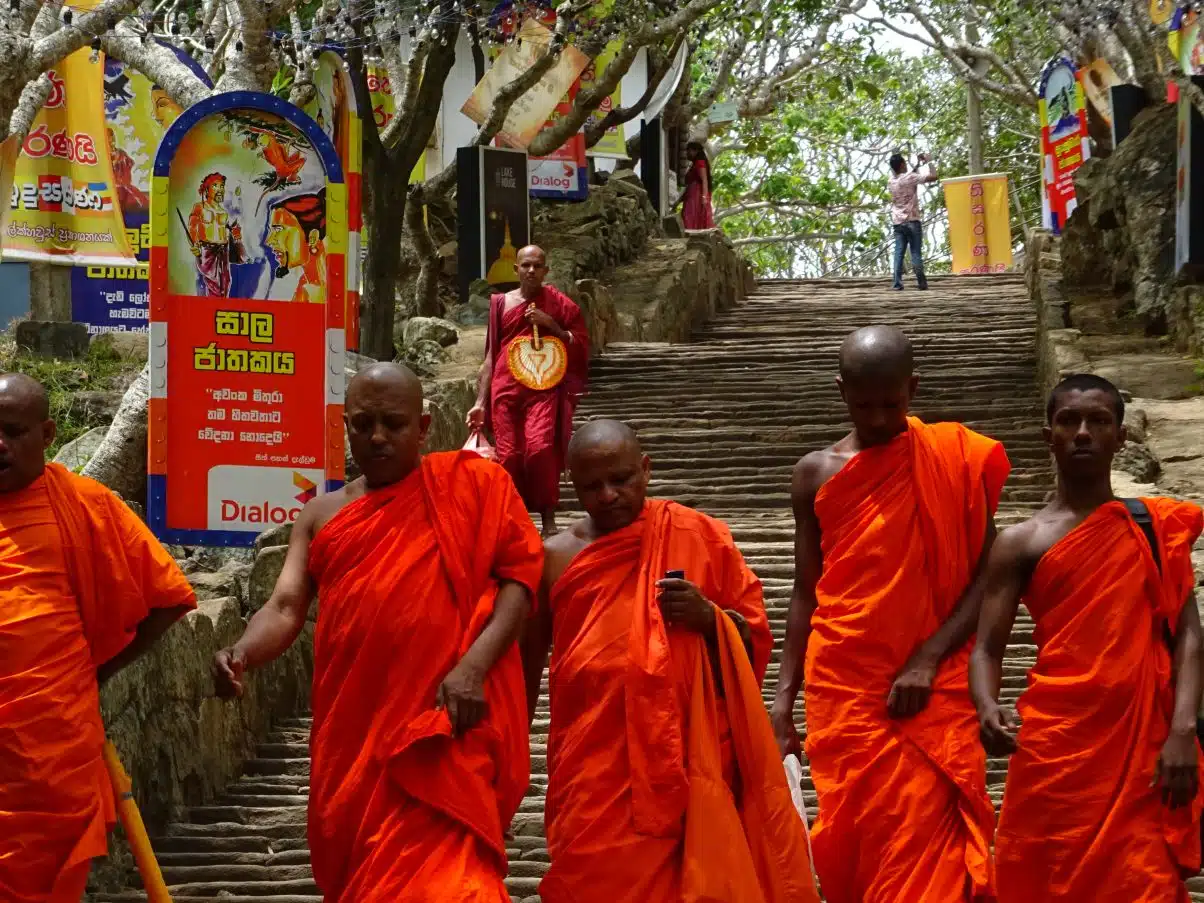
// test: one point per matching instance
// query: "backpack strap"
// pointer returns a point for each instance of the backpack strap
(1141, 516)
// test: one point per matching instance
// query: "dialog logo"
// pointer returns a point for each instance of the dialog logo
(253, 499)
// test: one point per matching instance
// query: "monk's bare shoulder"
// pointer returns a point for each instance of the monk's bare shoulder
(816, 468)
(320, 510)
(1024, 545)
(561, 549)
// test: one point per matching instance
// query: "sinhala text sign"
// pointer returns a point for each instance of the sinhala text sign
(247, 281)
(1064, 144)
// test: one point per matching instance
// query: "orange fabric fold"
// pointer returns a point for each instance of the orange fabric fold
(658, 790)
(78, 572)
(407, 577)
(903, 806)
(1080, 818)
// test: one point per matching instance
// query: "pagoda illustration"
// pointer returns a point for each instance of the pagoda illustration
(505, 268)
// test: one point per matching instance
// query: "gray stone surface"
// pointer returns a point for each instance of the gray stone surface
(76, 453)
(434, 329)
(47, 338)
(264, 573)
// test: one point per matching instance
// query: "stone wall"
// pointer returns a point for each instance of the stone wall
(1121, 238)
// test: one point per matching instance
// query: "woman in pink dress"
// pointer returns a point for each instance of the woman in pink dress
(696, 208)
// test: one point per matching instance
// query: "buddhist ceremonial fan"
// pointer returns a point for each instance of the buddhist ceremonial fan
(537, 362)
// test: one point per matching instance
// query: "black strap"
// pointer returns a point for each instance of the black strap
(1141, 516)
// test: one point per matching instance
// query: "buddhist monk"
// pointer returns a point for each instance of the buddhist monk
(664, 782)
(424, 568)
(1102, 791)
(531, 425)
(893, 523)
(84, 590)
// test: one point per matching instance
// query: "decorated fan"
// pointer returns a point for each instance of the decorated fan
(537, 362)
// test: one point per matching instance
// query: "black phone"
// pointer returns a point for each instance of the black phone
(675, 575)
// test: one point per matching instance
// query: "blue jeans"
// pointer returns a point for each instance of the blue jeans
(910, 234)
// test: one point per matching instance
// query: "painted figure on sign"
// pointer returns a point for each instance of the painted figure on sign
(296, 237)
(132, 198)
(215, 236)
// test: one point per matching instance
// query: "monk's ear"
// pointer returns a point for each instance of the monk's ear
(1047, 435)
(646, 467)
(50, 430)
(1122, 436)
(840, 387)
(912, 385)
(424, 427)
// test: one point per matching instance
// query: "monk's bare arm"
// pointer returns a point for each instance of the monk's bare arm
(1177, 765)
(536, 644)
(153, 626)
(462, 692)
(1009, 567)
(808, 564)
(274, 627)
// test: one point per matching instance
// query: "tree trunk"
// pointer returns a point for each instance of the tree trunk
(384, 205)
(426, 285)
(120, 462)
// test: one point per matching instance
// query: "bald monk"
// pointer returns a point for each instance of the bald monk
(424, 569)
(531, 426)
(893, 523)
(664, 782)
(85, 589)
(1102, 791)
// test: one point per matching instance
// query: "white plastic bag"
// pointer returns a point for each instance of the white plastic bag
(479, 444)
(794, 778)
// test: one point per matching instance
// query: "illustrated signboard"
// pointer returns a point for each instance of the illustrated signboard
(493, 213)
(1064, 143)
(116, 297)
(980, 234)
(63, 203)
(334, 109)
(247, 279)
(1186, 41)
(1098, 78)
(564, 173)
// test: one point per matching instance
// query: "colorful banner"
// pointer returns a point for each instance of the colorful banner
(380, 91)
(116, 297)
(980, 232)
(64, 205)
(1064, 144)
(613, 144)
(530, 112)
(1186, 40)
(562, 175)
(334, 109)
(248, 213)
(1098, 78)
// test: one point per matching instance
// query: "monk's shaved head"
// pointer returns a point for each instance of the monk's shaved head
(610, 473)
(609, 435)
(385, 424)
(533, 250)
(876, 354)
(22, 390)
(396, 380)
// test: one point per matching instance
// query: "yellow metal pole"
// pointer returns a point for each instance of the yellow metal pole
(135, 830)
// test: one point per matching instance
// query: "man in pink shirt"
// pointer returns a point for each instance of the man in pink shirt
(905, 215)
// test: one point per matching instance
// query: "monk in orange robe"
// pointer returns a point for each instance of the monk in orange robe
(893, 524)
(84, 590)
(424, 569)
(664, 782)
(1102, 792)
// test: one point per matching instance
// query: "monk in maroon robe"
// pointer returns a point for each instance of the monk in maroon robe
(531, 426)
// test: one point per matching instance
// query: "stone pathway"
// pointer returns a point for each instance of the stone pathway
(724, 417)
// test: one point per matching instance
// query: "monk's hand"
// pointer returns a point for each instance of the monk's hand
(781, 716)
(462, 694)
(684, 605)
(229, 665)
(1177, 777)
(997, 729)
(911, 689)
(475, 419)
(543, 320)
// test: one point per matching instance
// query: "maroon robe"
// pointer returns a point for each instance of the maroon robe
(531, 428)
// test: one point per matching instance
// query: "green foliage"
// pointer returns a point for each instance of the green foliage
(100, 370)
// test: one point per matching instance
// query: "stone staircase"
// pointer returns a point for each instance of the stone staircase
(724, 418)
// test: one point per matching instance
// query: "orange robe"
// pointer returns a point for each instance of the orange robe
(1080, 818)
(658, 791)
(78, 572)
(407, 577)
(903, 807)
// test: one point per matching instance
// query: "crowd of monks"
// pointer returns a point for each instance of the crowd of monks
(440, 604)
